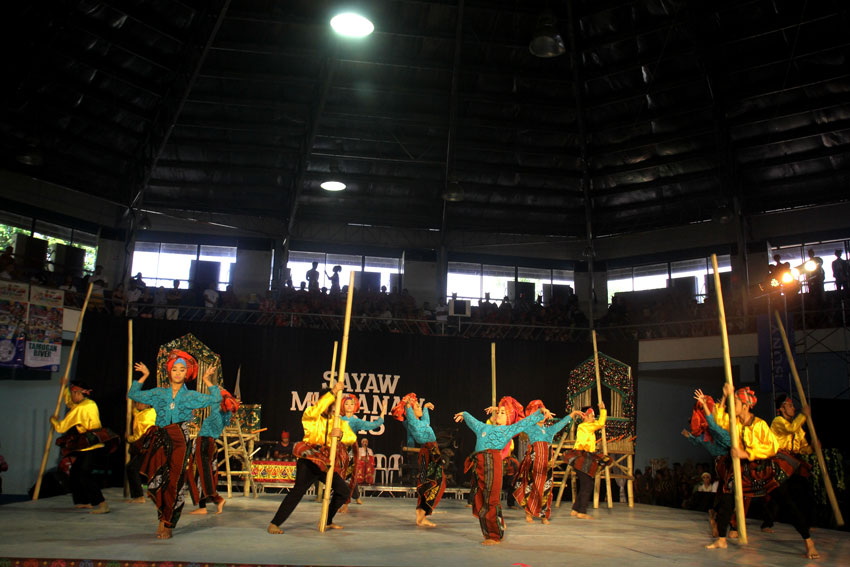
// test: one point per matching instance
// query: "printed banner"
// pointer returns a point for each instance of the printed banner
(774, 369)
(13, 321)
(44, 329)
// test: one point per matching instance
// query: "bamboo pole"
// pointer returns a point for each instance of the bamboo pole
(740, 513)
(326, 501)
(604, 436)
(493, 373)
(128, 423)
(61, 394)
(830, 493)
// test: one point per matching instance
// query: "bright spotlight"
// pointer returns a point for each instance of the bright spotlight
(333, 186)
(810, 266)
(349, 24)
(787, 278)
(796, 273)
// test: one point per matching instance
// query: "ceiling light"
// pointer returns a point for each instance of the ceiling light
(546, 41)
(145, 223)
(453, 192)
(349, 24)
(333, 186)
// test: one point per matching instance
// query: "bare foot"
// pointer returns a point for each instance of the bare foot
(529, 518)
(164, 534)
(545, 521)
(334, 527)
(83, 506)
(811, 552)
(719, 543)
(425, 523)
(358, 501)
(139, 500)
(767, 530)
(491, 542)
(733, 534)
(581, 516)
(469, 505)
(102, 508)
(220, 506)
(198, 512)
(160, 528)
(273, 529)
(344, 509)
(573, 513)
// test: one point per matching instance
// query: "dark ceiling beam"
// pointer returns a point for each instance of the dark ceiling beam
(795, 57)
(684, 198)
(657, 87)
(771, 28)
(226, 146)
(281, 79)
(683, 179)
(174, 100)
(118, 41)
(265, 128)
(223, 100)
(144, 17)
(651, 140)
(102, 98)
(650, 116)
(757, 90)
(793, 159)
(79, 113)
(612, 69)
(79, 56)
(215, 166)
(591, 43)
(653, 163)
(783, 137)
(833, 101)
(236, 188)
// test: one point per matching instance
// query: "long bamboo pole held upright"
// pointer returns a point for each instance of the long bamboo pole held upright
(733, 420)
(493, 373)
(61, 394)
(128, 423)
(326, 501)
(830, 493)
(604, 437)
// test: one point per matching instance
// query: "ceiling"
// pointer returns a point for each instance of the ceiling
(660, 113)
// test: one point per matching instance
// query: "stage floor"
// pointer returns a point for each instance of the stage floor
(382, 532)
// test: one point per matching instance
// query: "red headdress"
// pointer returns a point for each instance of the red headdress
(514, 409)
(699, 423)
(284, 435)
(228, 402)
(351, 397)
(398, 409)
(747, 396)
(533, 406)
(191, 364)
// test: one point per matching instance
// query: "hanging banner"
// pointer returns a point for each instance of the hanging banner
(774, 369)
(13, 321)
(44, 329)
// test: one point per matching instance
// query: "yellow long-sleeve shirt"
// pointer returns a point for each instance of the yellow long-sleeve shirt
(317, 427)
(84, 416)
(586, 433)
(142, 421)
(791, 436)
(756, 438)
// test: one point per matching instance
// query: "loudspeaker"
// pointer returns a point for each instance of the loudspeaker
(725, 284)
(30, 253)
(524, 289)
(367, 281)
(686, 286)
(202, 273)
(557, 293)
(69, 260)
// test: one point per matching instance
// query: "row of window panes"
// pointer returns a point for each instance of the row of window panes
(161, 263)
(53, 233)
(799, 253)
(476, 281)
(656, 276)
(302, 262)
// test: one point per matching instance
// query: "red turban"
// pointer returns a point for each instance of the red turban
(699, 423)
(514, 409)
(351, 397)
(191, 364)
(533, 406)
(747, 396)
(228, 402)
(284, 435)
(398, 409)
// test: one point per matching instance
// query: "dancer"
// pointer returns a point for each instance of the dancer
(788, 428)
(486, 462)
(763, 470)
(144, 419)
(350, 406)
(533, 488)
(204, 474)
(82, 444)
(431, 481)
(585, 460)
(313, 455)
(170, 450)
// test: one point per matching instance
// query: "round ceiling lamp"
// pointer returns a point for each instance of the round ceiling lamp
(333, 186)
(546, 41)
(349, 24)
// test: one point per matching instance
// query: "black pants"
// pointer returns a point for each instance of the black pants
(584, 491)
(134, 479)
(306, 473)
(792, 496)
(84, 489)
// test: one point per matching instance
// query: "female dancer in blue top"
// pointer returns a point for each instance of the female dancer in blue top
(350, 406)
(534, 479)
(431, 482)
(486, 462)
(170, 450)
(204, 466)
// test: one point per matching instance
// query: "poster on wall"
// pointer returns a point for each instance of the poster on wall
(44, 329)
(13, 321)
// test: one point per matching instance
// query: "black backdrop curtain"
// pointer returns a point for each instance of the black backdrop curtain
(283, 367)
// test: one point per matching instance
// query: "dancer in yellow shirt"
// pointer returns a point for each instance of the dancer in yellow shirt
(788, 427)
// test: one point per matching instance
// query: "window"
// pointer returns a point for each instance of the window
(348, 263)
(495, 281)
(301, 262)
(225, 255)
(162, 263)
(386, 267)
(619, 280)
(464, 279)
(539, 277)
